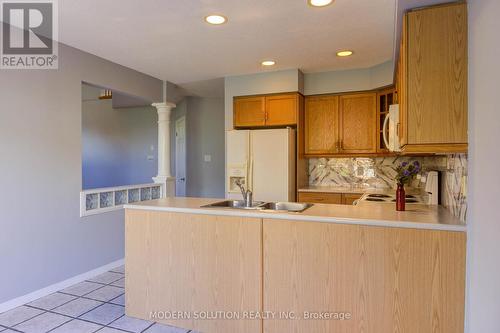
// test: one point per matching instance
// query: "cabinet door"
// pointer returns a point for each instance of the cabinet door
(402, 79)
(437, 75)
(249, 111)
(349, 198)
(386, 279)
(215, 266)
(325, 198)
(321, 125)
(281, 110)
(358, 123)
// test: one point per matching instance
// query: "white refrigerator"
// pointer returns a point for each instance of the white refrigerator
(263, 160)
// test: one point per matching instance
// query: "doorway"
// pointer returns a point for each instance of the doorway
(180, 157)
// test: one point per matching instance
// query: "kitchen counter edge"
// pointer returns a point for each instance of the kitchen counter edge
(157, 205)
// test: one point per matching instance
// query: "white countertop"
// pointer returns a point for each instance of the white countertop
(385, 215)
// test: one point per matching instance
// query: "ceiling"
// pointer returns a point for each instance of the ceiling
(169, 39)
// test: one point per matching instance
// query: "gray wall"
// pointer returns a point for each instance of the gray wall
(205, 135)
(177, 113)
(349, 80)
(43, 240)
(308, 83)
(484, 185)
(173, 93)
(261, 83)
(116, 143)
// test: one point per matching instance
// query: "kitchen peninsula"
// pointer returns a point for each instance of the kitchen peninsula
(384, 270)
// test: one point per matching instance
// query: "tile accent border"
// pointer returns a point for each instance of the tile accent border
(14, 303)
(102, 200)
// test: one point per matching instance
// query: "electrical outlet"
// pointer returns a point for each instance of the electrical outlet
(208, 158)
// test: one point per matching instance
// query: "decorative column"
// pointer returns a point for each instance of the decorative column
(164, 177)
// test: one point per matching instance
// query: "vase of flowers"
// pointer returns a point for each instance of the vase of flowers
(405, 173)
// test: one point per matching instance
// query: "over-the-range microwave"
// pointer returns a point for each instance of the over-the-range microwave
(390, 129)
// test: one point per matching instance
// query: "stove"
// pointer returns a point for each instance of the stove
(375, 199)
(391, 198)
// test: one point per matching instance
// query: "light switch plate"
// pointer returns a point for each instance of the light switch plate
(208, 158)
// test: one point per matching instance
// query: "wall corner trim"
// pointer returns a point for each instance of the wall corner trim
(14, 303)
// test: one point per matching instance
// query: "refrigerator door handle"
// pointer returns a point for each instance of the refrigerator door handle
(250, 176)
(249, 161)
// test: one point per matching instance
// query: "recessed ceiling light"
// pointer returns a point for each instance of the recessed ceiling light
(215, 19)
(268, 63)
(319, 3)
(344, 53)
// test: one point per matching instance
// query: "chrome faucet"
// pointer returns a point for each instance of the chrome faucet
(247, 194)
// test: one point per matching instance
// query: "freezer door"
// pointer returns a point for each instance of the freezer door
(238, 160)
(272, 169)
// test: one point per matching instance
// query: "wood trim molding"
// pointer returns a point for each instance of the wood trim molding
(271, 94)
(435, 148)
(14, 303)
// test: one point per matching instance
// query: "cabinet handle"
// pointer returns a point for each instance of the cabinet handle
(341, 144)
(266, 116)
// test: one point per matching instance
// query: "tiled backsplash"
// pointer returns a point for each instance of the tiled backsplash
(379, 172)
(454, 185)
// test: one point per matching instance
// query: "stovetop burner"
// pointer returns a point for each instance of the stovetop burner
(375, 199)
(407, 200)
(378, 196)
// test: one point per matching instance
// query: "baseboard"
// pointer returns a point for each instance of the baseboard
(14, 303)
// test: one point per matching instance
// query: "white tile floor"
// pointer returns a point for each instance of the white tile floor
(96, 305)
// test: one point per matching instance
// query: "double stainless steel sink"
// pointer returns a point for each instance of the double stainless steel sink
(294, 207)
(238, 204)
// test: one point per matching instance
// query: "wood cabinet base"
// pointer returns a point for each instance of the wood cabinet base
(387, 279)
(379, 279)
(328, 198)
(190, 265)
(317, 197)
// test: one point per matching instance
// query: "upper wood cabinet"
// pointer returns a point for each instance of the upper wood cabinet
(282, 109)
(249, 111)
(266, 111)
(341, 125)
(358, 125)
(432, 80)
(401, 85)
(321, 127)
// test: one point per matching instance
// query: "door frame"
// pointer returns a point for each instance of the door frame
(179, 158)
